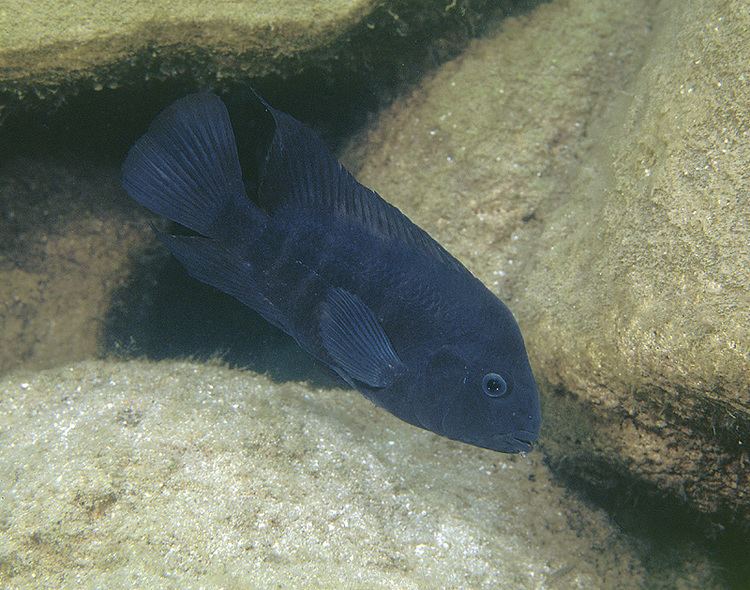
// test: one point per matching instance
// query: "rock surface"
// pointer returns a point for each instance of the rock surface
(46, 42)
(180, 475)
(640, 289)
(52, 49)
(66, 240)
(590, 163)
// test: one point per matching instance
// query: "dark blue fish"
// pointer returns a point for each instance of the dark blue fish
(348, 276)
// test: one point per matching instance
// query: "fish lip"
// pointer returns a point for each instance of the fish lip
(523, 445)
(520, 441)
(525, 436)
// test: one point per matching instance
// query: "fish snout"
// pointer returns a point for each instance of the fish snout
(520, 441)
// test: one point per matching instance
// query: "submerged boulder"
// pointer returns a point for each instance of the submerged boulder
(640, 289)
(52, 45)
(54, 50)
(590, 163)
(145, 474)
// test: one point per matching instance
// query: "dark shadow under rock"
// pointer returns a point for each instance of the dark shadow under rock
(163, 313)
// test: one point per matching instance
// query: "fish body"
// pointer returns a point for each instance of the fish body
(348, 276)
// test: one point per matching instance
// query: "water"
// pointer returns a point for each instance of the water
(587, 161)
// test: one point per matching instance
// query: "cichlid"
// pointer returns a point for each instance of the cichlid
(347, 275)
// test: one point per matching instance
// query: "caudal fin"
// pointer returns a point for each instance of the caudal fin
(186, 167)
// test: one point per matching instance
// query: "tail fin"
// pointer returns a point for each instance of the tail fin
(186, 166)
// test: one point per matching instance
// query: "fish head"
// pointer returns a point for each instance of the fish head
(480, 390)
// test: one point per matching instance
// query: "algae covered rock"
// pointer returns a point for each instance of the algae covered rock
(640, 290)
(45, 42)
(590, 163)
(172, 474)
(474, 151)
(54, 50)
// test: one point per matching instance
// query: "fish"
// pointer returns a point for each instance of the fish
(290, 233)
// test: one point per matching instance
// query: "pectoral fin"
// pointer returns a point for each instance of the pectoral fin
(355, 340)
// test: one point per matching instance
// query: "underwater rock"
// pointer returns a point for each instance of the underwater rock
(66, 239)
(130, 474)
(53, 50)
(589, 161)
(640, 289)
(47, 45)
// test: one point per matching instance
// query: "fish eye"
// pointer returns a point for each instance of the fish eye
(494, 385)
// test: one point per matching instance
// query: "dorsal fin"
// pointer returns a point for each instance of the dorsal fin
(185, 167)
(299, 171)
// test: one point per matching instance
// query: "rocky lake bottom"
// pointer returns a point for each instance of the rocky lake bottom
(587, 160)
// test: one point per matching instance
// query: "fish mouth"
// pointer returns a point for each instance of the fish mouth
(523, 445)
(514, 442)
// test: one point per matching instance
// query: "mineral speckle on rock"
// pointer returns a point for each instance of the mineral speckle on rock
(228, 478)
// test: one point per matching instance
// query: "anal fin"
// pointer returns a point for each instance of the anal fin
(209, 262)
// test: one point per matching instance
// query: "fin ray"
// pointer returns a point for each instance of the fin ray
(209, 262)
(186, 166)
(300, 171)
(356, 341)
